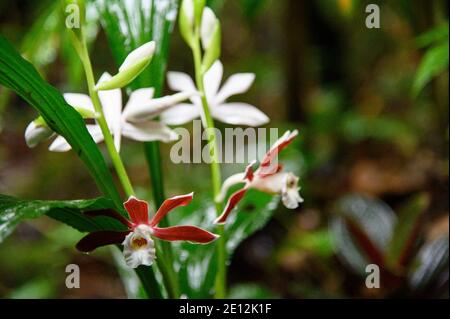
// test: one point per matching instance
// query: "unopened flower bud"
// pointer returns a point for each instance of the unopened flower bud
(133, 65)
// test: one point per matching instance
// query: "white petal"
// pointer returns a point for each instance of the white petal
(212, 80)
(236, 84)
(144, 111)
(34, 134)
(79, 100)
(141, 96)
(209, 21)
(145, 51)
(239, 114)
(180, 114)
(179, 81)
(148, 131)
(230, 181)
(60, 144)
(112, 109)
(139, 255)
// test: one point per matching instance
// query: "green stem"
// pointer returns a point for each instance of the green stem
(115, 157)
(220, 283)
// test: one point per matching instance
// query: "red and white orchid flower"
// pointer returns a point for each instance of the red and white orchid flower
(269, 178)
(139, 248)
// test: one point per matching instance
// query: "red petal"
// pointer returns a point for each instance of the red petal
(138, 210)
(109, 213)
(249, 171)
(100, 238)
(189, 233)
(232, 202)
(168, 205)
(279, 145)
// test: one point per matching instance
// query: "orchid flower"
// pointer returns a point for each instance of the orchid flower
(138, 245)
(135, 122)
(269, 178)
(234, 113)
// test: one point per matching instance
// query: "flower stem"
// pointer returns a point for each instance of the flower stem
(220, 283)
(115, 157)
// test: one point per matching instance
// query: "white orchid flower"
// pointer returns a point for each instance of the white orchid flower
(234, 113)
(269, 178)
(135, 122)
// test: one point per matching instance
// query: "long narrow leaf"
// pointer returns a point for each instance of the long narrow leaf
(20, 76)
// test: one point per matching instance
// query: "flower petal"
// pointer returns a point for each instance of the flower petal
(277, 147)
(34, 134)
(79, 100)
(145, 51)
(148, 131)
(180, 114)
(189, 233)
(212, 80)
(60, 144)
(100, 238)
(179, 81)
(109, 213)
(137, 209)
(232, 202)
(239, 114)
(168, 205)
(112, 108)
(236, 84)
(229, 182)
(138, 112)
(140, 96)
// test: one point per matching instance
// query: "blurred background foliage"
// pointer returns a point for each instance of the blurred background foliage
(372, 109)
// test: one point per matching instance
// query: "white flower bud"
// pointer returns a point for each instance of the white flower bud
(131, 67)
(209, 22)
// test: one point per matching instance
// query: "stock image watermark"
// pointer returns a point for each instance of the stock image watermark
(73, 276)
(373, 17)
(373, 276)
(235, 145)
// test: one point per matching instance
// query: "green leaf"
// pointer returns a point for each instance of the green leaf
(20, 76)
(361, 230)
(13, 211)
(433, 63)
(437, 34)
(406, 230)
(197, 263)
(131, 24)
